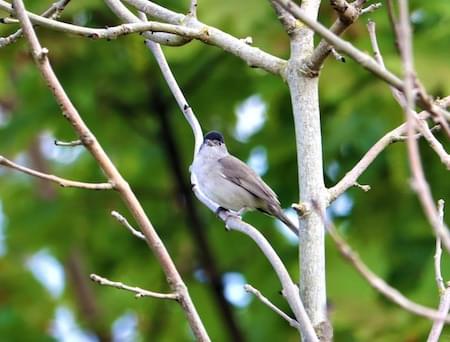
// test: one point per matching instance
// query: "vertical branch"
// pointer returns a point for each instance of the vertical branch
(305, 105)
(444, 290)
(129, 198)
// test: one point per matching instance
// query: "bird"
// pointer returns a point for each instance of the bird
(232, 184)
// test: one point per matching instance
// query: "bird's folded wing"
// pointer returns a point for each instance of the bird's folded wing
(241, 174)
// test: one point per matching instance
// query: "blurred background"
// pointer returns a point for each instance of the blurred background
(51, 238)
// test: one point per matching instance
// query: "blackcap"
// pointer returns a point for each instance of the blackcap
(231, 183)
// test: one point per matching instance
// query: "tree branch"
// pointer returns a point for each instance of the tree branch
(286, 19)
(68, 143)
(253, 56)
(399, 97)
(173, 277)
(54, 11)
(290, 290)
(362, 58)
(191, 28)
(351, 177)
(137, 290)
(341, 45)
(437, 256)
(376, 282)
(292, 322)
(420, 185)
(348, 13)
(123, 221)
(444, 307)
(65, 183)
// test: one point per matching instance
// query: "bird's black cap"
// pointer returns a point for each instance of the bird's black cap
(214, 135)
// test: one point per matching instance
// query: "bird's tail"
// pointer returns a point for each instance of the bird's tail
(283, 218)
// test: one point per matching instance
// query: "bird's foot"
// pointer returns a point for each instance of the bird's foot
(226, 214)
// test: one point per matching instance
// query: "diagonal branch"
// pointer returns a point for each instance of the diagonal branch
(137, 290)
(351, 177)
(286, 19)
(173, 277)
(399, 97)
(348, 13)
(362, 58)
(273, 307)
(420, 184)
(375, 281)
(65, 183)
(123, 221)
(290, 290)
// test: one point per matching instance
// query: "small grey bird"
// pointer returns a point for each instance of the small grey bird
(232, 184)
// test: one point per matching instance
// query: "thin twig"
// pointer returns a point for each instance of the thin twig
(376, 282)
(371, 8)
(437, 256)
(286, 19)
(348, 13)
(68, 143)
(399, 97)
(351, 177)
(420, 184)
(65, 183)
(393, 22)
(154, 242)
(54, 11)
(123, 221)
(292, 322)
(193, 9)
(290, 290)
(444, 307)
(137, 290)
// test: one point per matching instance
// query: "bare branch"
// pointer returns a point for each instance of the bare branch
(173, 277)
(371, 8)
(444, 307)
(348, 13)
(65, 183)
(54, 11)
(290, 290)
(376, 282)
(286, 19)
(432, 108)
(193, 8)
(123, 221)
(68, 143)
(363, 187)
(341, 45)
(350, 178)
(437, 256)
(292, 322)
(337, 55)
(137, 290)
(420, 185)
(253, 56)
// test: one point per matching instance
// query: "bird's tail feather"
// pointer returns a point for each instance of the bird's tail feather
(283, 218)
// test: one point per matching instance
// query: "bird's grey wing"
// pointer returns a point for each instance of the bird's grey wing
(241, 174)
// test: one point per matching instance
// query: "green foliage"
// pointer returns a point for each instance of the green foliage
(117, 87)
